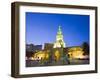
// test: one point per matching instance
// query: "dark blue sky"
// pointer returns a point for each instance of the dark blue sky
(42, 28)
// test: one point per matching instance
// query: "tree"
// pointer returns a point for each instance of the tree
(85, 47)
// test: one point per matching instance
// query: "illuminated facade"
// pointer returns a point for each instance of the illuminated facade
(75, 52)
(59, 39)
(48, 46)
(41, 55)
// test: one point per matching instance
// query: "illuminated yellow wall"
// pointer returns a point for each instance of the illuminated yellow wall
(75, 52)
(44, 55)
(57, 55)
(41, 55)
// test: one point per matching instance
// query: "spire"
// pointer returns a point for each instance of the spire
(59, 30)
(59, 27)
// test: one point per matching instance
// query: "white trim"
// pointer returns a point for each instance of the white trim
(52, 69)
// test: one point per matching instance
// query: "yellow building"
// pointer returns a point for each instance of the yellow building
(41, 55)
(75, 52)
(45, 55)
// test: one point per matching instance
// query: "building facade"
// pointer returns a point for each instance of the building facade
(75, 52)
(48, 46)
(33, 48)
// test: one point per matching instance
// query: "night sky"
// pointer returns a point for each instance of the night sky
(42, 28)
